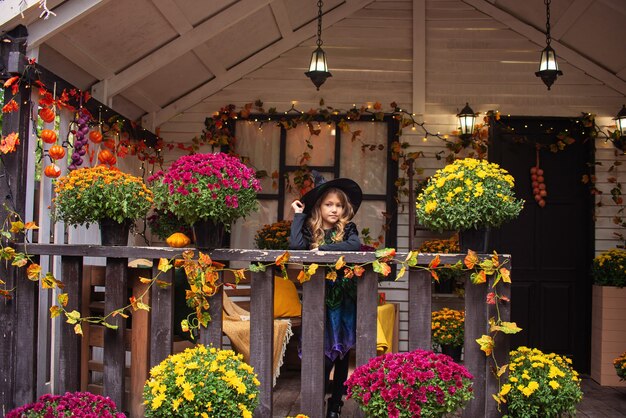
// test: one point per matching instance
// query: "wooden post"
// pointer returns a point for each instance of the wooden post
(475, 359)
(262, 337)
(69, 342)
(411, 173)
(115, 283)
(313, 320)
(420, 317)
(161, 316)
(18, 346)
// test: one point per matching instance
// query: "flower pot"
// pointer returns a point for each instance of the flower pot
(474, 239)
(452, 351)
(113, 232)
(208, 234)
(608, 333)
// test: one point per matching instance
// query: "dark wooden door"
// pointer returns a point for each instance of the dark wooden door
(551, 247)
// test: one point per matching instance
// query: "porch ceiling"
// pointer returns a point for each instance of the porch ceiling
(155, 58)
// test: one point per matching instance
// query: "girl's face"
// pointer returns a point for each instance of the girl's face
(331, 210)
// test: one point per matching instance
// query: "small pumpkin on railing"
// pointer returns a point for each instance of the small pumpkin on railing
(178, 240)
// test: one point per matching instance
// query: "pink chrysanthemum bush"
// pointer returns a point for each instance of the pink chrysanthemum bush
(415, 384)
(214, 186)
(72, 404)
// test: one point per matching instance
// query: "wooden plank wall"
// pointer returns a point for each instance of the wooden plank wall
(470, 57)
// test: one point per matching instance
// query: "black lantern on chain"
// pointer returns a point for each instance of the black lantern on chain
(548, 67)
(467, 117)
(620, 121)
(318, 68)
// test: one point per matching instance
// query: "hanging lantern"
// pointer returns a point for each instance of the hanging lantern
(318, 68)
(467, 117)
(548, 67)
(620, 121)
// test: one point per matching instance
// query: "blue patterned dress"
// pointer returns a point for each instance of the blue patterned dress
(340, 328)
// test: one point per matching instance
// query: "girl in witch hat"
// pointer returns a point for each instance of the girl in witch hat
(322, 222)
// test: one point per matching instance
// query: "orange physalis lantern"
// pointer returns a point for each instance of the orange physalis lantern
(95, 137)
(47, 114)
(56, 152)
(48, 136)
(52, 171)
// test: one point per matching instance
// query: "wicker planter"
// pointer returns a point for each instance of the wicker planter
(608, 333)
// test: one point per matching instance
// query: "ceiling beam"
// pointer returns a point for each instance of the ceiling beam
(573, 57)
(67, 14)
(208, 58)
(279, 10)
(172, 13)
(571, 16)
(254, 62)
(66, 47)
(183, 44)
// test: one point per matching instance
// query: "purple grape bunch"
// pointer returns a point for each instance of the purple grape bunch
(80, 139)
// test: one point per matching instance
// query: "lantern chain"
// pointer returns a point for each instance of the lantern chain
(548, 38)
(319, 23)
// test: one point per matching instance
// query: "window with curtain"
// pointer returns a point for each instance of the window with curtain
(279, 153)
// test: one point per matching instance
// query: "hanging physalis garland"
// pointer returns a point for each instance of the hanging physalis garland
(89, 139)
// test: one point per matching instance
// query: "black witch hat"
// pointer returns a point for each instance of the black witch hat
(348, 186)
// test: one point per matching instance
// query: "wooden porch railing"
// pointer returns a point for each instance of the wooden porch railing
(160, 332)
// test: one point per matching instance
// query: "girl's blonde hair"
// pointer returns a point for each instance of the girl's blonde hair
(315, 222)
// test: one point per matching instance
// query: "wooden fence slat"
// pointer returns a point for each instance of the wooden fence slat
(501, 352)
(213, 335)
(312, 371)
(161, 316)
(262, 337)
(70, 343)
(420, 306)
(139, 347)
(27, 305)
(475, 359)
(116, 284)
(366, 316)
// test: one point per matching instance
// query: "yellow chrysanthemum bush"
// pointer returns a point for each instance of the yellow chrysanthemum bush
(448, 327)
(202, 382)
(89, 195)
(620, 366)
(274, 236)
(609, 268)
(540, 385)
(466, 194)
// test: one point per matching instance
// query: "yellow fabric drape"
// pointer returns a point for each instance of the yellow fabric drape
(236, 326)
(384, 328)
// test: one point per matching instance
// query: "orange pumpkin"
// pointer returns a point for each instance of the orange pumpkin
(56, 152)
(52, 171)
(95, 137)
(105, 156)
(47, 114)
(48, 136)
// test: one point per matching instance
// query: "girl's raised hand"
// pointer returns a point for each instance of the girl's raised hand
(297, 206)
